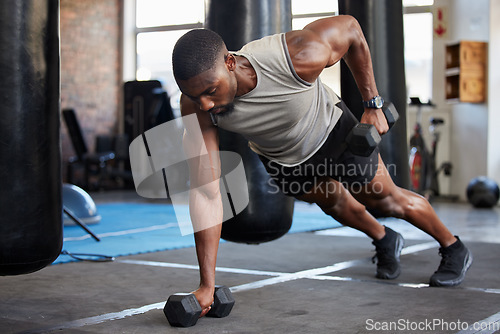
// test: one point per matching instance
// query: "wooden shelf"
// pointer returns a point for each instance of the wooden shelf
(466, 63)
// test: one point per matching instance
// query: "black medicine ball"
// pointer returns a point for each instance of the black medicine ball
(483, 192)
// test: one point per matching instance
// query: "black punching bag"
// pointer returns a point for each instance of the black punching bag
(30, 158)
(269, 214)
(382, 24)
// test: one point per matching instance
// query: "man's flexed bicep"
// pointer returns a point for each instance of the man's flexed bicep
(320, 44)
(346, 40)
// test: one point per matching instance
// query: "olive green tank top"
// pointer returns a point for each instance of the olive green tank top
(284, 118)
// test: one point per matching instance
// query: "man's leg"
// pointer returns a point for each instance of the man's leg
(383, 195)
(336, 201)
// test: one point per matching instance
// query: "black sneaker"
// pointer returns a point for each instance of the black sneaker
(455, 262)
(388, 251)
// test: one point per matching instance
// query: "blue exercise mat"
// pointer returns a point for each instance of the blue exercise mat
(134, 228)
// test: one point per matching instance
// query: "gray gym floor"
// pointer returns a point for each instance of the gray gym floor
(319, 282)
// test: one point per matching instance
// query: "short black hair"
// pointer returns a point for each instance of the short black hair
(195, 52)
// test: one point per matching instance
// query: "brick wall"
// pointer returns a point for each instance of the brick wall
(90, 67)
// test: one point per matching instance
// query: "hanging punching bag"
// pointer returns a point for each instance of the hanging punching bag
(30, 158)
(268, 215)
(382, 24)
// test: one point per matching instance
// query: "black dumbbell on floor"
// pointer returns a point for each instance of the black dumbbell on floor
(183, 309)
(364, 138)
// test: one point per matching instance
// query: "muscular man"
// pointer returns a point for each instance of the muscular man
(270, 92)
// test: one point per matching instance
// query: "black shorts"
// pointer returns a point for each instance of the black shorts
(332, 160)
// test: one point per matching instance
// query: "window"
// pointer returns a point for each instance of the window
(158, 13)
(154, 62)
(306, 11)
(159, 24)
(417, 22)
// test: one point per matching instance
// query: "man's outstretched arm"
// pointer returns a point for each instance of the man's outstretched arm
(323, 43)
(205, 204)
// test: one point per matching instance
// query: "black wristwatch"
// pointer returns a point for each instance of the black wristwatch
(377, 102)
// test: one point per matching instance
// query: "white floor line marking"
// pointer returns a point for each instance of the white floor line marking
(486, 290)
(404, 285)
(195, 267)
(325, 270)
(419, 247)
(416, 248)
(244, 287)
(486, 326)
(406, 250)
(350, 279)
(124, 232)
(100, 318)
(298, 275)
